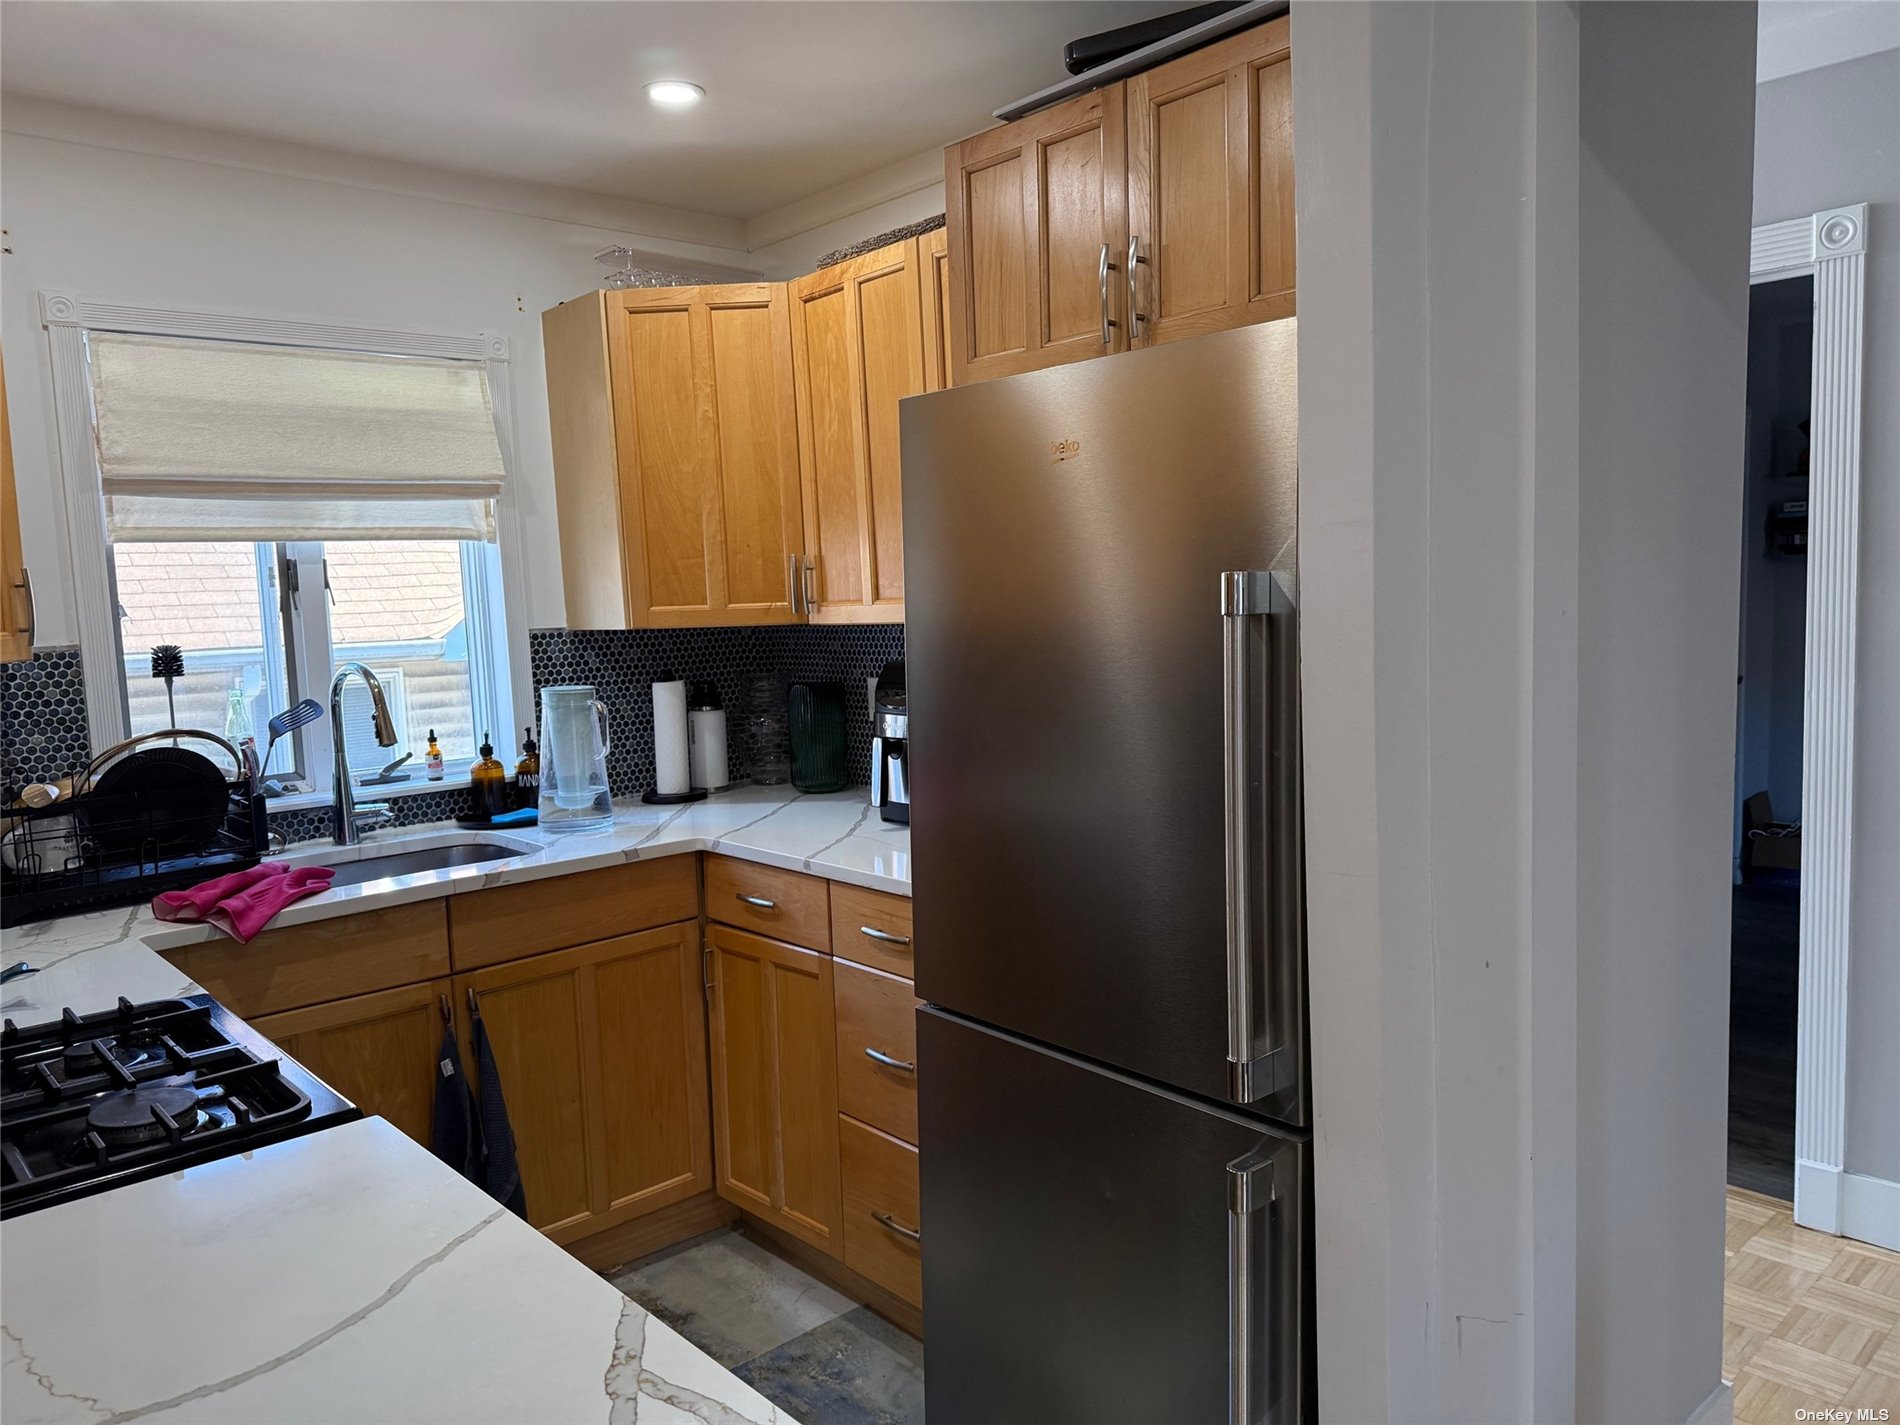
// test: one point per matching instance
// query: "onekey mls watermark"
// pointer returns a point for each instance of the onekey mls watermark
(1844, 1414)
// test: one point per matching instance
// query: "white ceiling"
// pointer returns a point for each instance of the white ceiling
(801, 95)
(1794, 36)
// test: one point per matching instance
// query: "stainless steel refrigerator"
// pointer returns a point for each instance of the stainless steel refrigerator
(1102, 653)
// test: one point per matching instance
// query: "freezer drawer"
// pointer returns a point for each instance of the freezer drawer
(1097, 1249)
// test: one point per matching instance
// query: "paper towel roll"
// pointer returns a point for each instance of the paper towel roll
(672, 776)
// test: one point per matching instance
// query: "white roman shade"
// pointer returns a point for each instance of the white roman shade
(221, 440)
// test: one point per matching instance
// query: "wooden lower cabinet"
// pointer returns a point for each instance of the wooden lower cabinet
(882, 1238)
(775, 1086)
(377, 1050)
(601, 1051)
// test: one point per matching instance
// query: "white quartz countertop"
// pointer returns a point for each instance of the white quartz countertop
(87, 961)
(345, 1276)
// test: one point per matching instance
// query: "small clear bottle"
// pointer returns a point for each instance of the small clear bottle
(432, 761)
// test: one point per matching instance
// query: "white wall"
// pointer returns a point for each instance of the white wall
(1519, 589)
(1824, 139)
(165, 216)
(1666, 175)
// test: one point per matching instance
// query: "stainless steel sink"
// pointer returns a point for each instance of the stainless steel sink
(428, 858)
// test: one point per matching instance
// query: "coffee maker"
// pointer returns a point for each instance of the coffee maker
(890, 731)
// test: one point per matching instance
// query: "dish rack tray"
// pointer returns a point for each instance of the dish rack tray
(90, 851)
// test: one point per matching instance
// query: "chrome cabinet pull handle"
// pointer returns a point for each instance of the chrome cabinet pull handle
(793, 583)
(904, 1066)
(891, 1224)
(1108, 322)
(1135, 315)
(1262, 899)
(884, 935)
(32, 609)
(811, 586)
(1250, 1188)
(760, 901)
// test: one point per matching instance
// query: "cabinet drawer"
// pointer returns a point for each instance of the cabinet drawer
(297, 965)
(872, 928)
(782, 904)
(881, 1237)
(877, 1015)
(510, 922)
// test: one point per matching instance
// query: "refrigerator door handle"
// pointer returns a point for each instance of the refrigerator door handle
(1251, 833)
(1250, 1200)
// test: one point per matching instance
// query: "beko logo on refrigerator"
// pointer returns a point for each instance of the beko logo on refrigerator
(1065, 449)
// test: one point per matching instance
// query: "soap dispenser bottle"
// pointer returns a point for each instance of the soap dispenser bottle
(528, 771)
(488, 783)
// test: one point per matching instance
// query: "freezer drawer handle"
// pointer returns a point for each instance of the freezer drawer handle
(1263, 895)
(903, 1065)
(884, 935)
(1250, 1198)
(891, 1224)
(760, 901)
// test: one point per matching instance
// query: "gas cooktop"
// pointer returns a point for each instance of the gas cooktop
(88, 1102)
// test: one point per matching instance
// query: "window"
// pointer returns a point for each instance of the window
(258, 631)
(278, 511)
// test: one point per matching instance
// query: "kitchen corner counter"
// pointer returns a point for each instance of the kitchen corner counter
(345, 1275)
(87, 961)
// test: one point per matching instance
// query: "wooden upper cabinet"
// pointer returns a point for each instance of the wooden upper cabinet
(775, 1084)
(1210, 187)
(857, 350)
(602, 1056)
(16, 594)
(1035, 209)
(933, 274)
(675, 438)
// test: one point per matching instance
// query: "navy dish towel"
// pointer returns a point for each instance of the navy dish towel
(452, 1133)
(501, 1174)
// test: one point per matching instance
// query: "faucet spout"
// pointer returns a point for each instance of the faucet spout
(343, 809)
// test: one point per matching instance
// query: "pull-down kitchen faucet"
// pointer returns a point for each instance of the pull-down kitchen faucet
(345, 810)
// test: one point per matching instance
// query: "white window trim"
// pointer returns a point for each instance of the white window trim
(68, 317)
(1831, 245)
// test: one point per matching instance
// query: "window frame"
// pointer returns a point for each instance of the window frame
(68, 318)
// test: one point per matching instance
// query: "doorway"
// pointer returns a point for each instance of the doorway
(1766, 924)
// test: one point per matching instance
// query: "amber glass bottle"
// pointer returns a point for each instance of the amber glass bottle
(488, 782)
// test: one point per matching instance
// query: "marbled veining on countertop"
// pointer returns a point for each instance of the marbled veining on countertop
(348, 1275)
(343, 1276)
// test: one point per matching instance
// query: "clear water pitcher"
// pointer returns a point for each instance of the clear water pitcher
(575, 740)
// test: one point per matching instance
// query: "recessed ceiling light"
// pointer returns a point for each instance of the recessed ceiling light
(674, 93)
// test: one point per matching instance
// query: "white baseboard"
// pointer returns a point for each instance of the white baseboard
(1718, 1409)
(1847, 1204)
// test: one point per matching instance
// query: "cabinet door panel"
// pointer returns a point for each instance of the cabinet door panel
(377, 1050)
(997, 314)
(651, 1017)
(775, 1095)
(858, 349)
(671, 455)
(534, 1014)
(807, 1095)
(706, 434)
(1072, 185)
(743, 1106)
(934, 293)
(1273, 180)
(1191, 201)
(755, 445)
(890, 325)
(1210, 187)
(1030, 208)
(877, 1012)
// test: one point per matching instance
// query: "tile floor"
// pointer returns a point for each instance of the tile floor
(806, 1348)
(1809, 1321)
